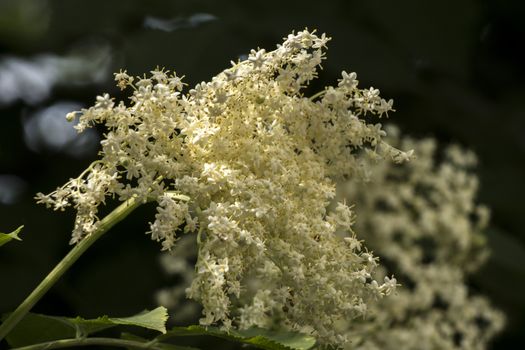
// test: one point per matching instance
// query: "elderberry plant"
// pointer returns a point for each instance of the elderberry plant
(247, 165)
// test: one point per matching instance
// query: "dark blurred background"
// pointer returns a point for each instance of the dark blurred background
(454, 68)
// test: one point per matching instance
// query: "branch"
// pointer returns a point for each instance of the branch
(108, 222)
(67, 343)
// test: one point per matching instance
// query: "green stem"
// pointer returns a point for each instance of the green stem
(320, 93)
(108, 222)
(67, 343)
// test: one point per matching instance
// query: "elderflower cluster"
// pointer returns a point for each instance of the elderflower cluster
(247, 165)
(421, 218)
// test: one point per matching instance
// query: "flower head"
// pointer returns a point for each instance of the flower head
(259, 162)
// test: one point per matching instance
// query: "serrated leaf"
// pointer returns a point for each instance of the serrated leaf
(155, 319)
(258, 337)
(36, 328)
(6, 237)
(290, 340)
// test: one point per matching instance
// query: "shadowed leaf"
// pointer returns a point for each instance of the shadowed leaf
(36, 328)
(258, 337)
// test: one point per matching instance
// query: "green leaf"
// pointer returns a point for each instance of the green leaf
(155, 319)
(258, 337)
(6, 237)
(36, 328)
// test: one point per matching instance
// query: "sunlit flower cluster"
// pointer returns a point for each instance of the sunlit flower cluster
(258, 162)
(422, 219)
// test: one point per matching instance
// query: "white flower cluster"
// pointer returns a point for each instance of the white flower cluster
(259, 162)
(421, 218)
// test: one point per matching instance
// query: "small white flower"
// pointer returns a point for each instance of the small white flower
(104, 102)
(257, 58)
(349, 81)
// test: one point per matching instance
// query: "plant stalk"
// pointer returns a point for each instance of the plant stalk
(105, 224)
(68, 343)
